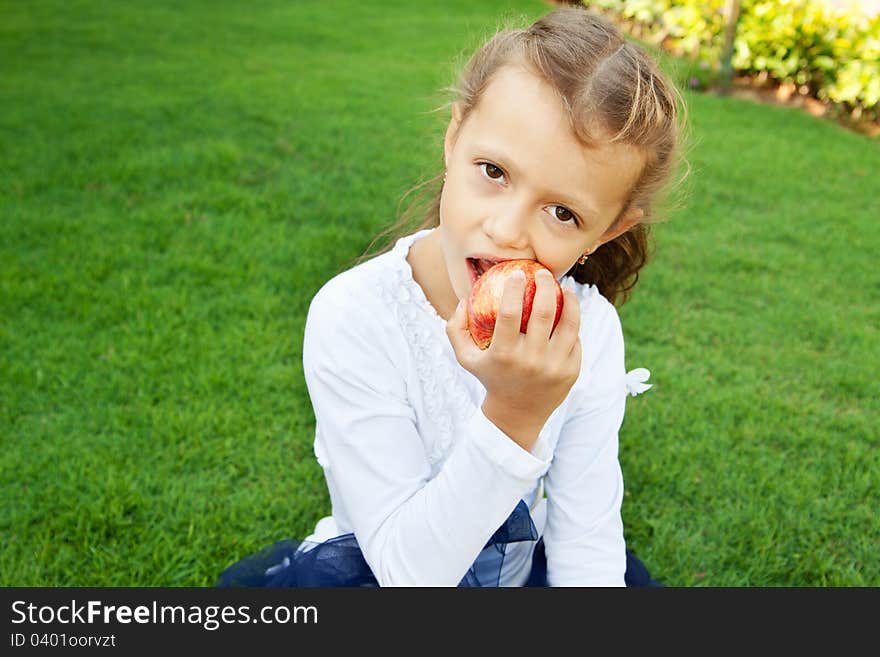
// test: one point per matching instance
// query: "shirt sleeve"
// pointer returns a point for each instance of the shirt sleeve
(584, 535)
(412, 529)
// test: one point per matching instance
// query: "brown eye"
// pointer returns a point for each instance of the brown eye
(563, 214)
(492, 171)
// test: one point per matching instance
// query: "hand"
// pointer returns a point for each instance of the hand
(526, 376)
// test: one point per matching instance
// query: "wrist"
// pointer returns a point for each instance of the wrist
(520, 425)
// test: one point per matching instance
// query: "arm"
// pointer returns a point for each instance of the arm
(584, 535)
(413, 530)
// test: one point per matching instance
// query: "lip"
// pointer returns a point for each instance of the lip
(469, 261)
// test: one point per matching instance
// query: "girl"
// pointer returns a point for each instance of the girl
(450, 465)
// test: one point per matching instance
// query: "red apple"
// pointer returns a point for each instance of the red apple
(485, 297)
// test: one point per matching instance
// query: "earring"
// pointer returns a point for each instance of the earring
(583, 259)
(444, 176)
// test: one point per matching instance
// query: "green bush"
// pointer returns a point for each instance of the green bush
(830, 53)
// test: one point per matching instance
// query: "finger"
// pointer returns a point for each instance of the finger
(509, 318)
(543, 310)
(567, 331)
(574, 358)
(457, 331)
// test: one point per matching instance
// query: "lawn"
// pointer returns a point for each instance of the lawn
(180, 178)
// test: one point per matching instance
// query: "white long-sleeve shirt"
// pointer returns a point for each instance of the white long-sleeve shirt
(418, 473)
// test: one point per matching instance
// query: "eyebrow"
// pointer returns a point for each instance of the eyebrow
(581, 206)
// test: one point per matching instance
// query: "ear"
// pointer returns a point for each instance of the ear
(452, 132)
(629, 219)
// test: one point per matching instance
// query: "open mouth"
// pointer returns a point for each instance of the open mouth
(478, 266)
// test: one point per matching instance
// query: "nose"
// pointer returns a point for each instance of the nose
(507, 226)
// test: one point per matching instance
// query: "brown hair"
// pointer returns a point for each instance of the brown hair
(614, 92)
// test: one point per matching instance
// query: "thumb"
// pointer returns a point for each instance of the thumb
(456, 329)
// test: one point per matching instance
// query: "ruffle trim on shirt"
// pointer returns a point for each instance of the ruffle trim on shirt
(445, 397)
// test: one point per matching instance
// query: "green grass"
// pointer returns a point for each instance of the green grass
(180, 178)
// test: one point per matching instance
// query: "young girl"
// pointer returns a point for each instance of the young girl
(451, 465)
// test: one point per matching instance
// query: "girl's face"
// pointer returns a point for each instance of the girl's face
(519, 184)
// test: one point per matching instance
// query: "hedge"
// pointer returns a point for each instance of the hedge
(829, 53)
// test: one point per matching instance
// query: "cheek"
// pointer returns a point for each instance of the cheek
(561, 261)
(444, 206)
(449, 211)
(456, 215)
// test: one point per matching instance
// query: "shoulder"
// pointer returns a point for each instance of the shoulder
(349, 307)
(355, 315)
(347, 337)
(367, 285)
(365, 291)
(601, 329)
(348, 294)
(603, 360)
